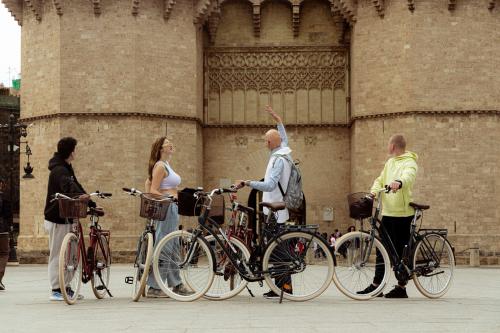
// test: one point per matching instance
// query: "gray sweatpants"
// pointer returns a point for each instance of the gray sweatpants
(56, 236)
(163, 228)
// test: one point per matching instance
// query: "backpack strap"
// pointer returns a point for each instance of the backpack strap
(285, 157)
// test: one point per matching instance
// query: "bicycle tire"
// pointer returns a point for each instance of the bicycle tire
(70, 268)
(142, 265)
(171, 260)
(349, 266)
(424, 267)
(101, 264)
(289, 247)
(219, 290)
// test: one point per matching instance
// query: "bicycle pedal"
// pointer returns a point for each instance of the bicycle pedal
(129, 280)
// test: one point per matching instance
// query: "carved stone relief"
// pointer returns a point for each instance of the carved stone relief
(309, 82)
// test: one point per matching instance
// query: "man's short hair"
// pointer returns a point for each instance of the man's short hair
(66, 146)
(399, 141)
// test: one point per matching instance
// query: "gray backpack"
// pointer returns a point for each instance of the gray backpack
(294, 196)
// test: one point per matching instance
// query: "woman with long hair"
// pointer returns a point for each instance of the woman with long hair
(163, 180)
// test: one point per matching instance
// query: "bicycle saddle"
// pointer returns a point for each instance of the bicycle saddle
(273, 206)
(419, 206)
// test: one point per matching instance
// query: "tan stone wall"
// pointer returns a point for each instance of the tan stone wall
(431, 59)
(232, 154)
(120, 63)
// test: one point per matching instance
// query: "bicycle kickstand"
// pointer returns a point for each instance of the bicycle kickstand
(250, 292)
(281, 295)
(103, 284)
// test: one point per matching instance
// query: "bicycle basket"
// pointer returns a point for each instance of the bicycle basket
(217, 209)
(187, 202)
(74, 208)
(154, 207)
(360, 205)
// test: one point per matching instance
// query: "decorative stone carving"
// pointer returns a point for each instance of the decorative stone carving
(411, 5)
(379, 6)
(491, 4)
(15, 8)
(213, 24)
(97, 6)
(295, 16)
(256, 20)
(135, 7)
(309, 82)
(33, 5)
(169, 6)
(346, 9)
(310, 140)
(452, 4)
(241, 141)
(275, 68)
(201, 10)
(58, 7)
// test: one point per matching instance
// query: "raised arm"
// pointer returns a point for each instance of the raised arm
(279, 123)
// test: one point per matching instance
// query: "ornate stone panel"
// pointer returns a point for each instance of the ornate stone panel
(305, 84)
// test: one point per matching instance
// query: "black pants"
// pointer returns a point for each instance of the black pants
(398, 230)
(281, 253)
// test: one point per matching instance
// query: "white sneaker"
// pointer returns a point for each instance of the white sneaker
(56, 296)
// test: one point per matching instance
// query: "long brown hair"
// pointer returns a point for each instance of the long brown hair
(155, 155)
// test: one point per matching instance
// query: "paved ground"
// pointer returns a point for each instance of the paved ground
(471, 305)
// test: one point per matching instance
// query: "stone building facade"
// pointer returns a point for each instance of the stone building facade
(344, 74)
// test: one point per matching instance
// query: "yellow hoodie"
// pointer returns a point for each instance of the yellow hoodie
(403, 168)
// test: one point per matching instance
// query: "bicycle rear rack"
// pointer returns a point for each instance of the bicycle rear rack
(441, 232)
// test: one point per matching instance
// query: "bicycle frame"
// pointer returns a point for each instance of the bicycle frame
(95, 240)
(207, 224)
(415, 236)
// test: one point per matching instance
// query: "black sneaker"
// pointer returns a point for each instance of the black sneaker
(397, 292)
(271, 295)
(2, 287)
(369, 289)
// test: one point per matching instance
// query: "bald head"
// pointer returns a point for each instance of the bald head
(397, 144)
(273, 139)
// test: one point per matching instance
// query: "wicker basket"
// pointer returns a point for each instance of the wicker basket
(74, 208)
(154, 207)
(360, 205)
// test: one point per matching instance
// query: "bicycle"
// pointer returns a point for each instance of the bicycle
(227, 282)
(77, 263)
(428, 257)
(286, 257)
(153, 207)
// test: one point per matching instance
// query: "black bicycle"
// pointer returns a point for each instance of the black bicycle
(287, 263)
(428, 257)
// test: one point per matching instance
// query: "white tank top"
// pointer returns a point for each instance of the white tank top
(172, 181)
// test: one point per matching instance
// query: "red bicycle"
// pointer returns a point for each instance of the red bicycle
(77, 263)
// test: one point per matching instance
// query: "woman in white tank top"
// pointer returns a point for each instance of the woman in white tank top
(163, 180)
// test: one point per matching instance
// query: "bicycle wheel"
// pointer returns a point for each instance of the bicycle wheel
(290, 264)
(102, 267)
(227, 281)
(433, 265)
(183, 266)
(70, 268)
(142, 265)
(356, 261)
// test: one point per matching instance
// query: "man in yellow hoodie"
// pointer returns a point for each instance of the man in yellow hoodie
(399, 173)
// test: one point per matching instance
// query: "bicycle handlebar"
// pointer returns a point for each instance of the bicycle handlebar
(102, 195)
(131, 191)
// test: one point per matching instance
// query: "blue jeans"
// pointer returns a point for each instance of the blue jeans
(163, 228)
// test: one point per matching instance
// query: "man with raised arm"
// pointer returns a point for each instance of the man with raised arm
(275, 183)
(399, 173)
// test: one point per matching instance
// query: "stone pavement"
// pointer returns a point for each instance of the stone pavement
(471, 305)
